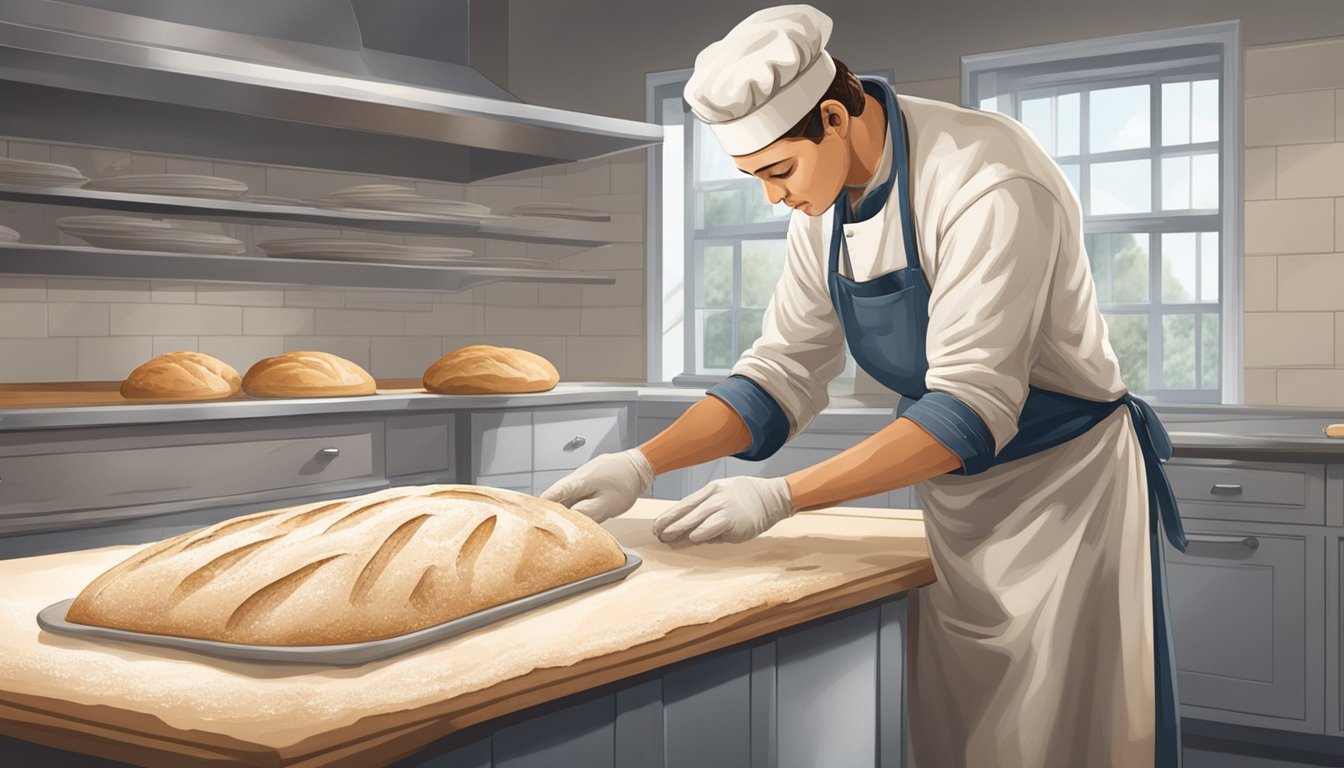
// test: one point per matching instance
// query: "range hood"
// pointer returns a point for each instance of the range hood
(394, 87)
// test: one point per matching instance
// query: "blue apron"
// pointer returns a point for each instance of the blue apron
(886, 322)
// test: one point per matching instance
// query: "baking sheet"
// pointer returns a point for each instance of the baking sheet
(52, 619)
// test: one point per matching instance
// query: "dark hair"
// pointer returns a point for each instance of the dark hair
(844, 88)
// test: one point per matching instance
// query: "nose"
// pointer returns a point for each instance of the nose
(774, 192)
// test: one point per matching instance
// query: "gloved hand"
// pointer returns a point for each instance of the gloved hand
(605, 486)
(734, 509)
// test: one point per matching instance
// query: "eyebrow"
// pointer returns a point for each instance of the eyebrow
(763, 167)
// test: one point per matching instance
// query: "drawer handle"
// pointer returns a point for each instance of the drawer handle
(1226, 489)
(329, 453)
(576, 443)
(1249, 542)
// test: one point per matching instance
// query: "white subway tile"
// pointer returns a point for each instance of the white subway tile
(1261, 173)
(1261, 284)
(441, 190)
(503, 199)
(165, 344)
(396, 301)
(612, 321)
(551, 295)
(1319, 388)
(190, 165)
(588, 178)
(445, 319)
(185, 319)
(1295, 66)
(1339, 115)
(111, 358)
(298, 297)
(628, 174)
(1290, 226)
(77, 319)
(1259, 386)
(531, 321)
(1289, 339)
(1339, 224)
(617, 256)
(605, 357)
(454, 342)
(624, 202)
(22, 288)
(23, 319)
(1311, 170)
(627, 291)
(1311, 282)
(278, 321)
(511, 294)
(397, 357)
(242, 352)
(352, 348)
(30, 150)
(1339, 339)
(171, 292)
(95, 163)
(311, 185)
(146, 163)
(28, 360)
(73, 289)
(361, 322)
(527, 178)
(1290, 118)
(240, 295)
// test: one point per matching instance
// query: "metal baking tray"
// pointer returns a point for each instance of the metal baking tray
(52, 619)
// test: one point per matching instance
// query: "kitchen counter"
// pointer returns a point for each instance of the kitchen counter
(158, 707)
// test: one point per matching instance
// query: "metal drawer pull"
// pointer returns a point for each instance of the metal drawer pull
(329, 453)
(578, 442)
(1249, 542)
(1226, 489)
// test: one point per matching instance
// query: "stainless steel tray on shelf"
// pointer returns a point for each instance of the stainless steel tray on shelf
(52, 619)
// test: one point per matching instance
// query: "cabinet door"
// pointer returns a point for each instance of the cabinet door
(515, 481)
(501, 442)
(1247, 624)
(567, 437)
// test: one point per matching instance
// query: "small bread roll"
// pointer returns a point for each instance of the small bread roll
(307, 374)
(182, 376)
(482, 369)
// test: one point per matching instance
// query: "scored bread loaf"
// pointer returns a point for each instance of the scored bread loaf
(349, 571)
(484, 369)
(182, 376)
(307, 374)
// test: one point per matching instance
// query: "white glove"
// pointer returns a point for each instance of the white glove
(734, 509)
(605, 486)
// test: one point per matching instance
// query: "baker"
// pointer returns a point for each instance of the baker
(944, 246)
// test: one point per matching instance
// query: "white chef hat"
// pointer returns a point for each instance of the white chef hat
(764, 76)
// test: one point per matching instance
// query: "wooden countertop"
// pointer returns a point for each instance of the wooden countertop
(156, 707)
(72, 394)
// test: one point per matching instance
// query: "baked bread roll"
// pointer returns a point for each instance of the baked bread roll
(482, 369)
(349, 571)
(182, 376)
(307, 374)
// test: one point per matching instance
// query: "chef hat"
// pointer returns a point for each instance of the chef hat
(764, 76)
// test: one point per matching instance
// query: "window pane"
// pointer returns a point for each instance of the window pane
(1118, 118)
(1039, 116)
(762, 266)
(1204, 181)
(1175, 114)
(1068, 133)
(1211, 359)
(1072, 174)
(1124, 187)
(716, 337)
(1128, 335)
(1178, 351)
(748, 328)
(716, 276)
(1176, 183)
(1179, 267)
(1129, 268)
(1210, 270)
(1099, 256)
(760, 209)
(722, 208)
(712, 163)
(991, 104)
(1204, 111)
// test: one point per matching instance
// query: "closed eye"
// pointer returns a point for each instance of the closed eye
(784, 175)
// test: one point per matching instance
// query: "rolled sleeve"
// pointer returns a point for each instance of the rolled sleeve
(957, 426)
(767, 421)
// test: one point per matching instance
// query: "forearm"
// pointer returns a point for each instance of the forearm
(900, 454)
(707, 430)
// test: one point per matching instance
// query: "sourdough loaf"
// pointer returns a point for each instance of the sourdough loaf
(182, 376)
(307, 374)
(349, 571)
(483, 369)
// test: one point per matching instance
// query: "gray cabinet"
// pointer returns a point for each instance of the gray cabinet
(528, 449)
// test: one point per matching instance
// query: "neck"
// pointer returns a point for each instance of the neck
(868, 134)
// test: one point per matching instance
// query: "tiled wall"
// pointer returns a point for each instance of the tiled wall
(73, 328)
(1294, 176)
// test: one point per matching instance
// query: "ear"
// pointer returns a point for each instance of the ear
(835, 117)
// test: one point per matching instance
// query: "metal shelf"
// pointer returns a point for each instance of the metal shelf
(518, 228)
(61, 260)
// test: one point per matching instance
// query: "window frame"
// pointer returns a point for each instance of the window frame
(1151, 58)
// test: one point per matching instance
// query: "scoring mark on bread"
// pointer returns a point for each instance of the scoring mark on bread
(471, 548)
(269, 597)
(377, 564)
(302, 519)
(227, 528)
(420, 597)
(213, 569)
(357, 516)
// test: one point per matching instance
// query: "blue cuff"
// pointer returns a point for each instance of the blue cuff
(959, 428)
(768, 423)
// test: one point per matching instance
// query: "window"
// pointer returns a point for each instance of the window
(1145, 128)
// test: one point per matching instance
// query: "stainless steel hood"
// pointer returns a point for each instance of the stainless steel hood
(288, 83)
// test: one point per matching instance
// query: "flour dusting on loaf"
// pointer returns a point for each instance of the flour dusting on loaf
(307, 374)
(348, 571)
(481, 369)
(184, 375)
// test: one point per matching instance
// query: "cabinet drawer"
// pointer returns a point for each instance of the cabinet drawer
(419, 444)
(140, 474)
(516, 481)
(567, 437)
(501, 442)
(1253, 492)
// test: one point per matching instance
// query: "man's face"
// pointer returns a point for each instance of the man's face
(804, 175)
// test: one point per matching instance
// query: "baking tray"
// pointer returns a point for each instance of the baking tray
(52, 619)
